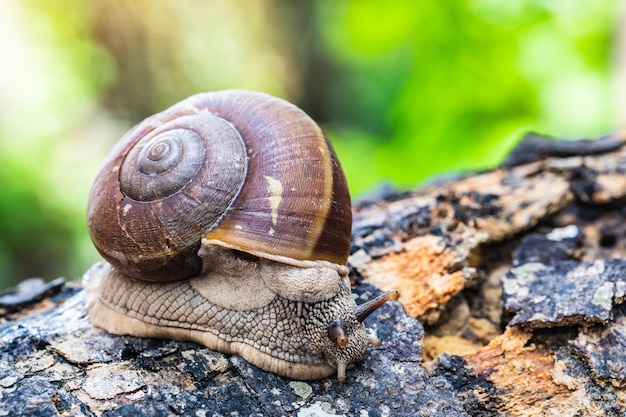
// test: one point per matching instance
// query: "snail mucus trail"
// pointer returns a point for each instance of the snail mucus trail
(226, 220)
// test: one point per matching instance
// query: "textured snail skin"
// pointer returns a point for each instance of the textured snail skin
(276, 333)
(226, 220)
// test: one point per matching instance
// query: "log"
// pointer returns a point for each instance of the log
(512, 286)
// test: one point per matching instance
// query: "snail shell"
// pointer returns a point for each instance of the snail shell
(226, 220)
(244, 170)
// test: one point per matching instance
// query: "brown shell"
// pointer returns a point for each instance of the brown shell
(268, 183)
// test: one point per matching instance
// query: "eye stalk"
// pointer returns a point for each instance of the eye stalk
(338, 334)
(362, 311)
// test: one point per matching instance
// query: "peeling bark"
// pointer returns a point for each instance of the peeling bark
(517, 274)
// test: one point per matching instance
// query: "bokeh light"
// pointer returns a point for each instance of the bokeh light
(406, 90)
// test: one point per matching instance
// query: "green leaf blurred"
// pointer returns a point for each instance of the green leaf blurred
(406, 90)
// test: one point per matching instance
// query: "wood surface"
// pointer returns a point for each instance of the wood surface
(512, 282)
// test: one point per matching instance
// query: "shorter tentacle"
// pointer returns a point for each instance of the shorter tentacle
(341, 372)
(375, 341)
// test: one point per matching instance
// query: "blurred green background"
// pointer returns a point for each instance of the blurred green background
(406, 90)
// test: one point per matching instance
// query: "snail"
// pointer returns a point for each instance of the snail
(225, 220)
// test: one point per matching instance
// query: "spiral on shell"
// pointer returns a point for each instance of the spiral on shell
(241, 170)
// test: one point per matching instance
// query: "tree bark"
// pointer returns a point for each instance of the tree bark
(517, 274)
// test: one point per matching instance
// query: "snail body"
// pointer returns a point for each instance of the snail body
(226, 220)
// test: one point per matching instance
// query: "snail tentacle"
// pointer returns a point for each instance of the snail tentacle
(226, 220)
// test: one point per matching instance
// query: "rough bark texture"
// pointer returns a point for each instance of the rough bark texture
(516, 273)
